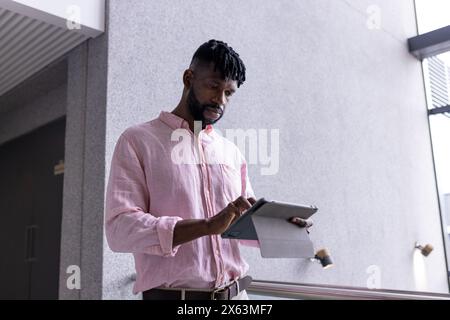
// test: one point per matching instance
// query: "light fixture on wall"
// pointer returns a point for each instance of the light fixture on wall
(323, 256)
(425, 250)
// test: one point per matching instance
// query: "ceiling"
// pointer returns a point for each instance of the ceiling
(28, 45)
(33, 34)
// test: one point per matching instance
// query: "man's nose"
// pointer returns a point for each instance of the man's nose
(220, 99)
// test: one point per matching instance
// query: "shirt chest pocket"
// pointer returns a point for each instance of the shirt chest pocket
(231, 179)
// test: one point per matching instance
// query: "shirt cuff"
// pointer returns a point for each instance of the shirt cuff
(165, 228)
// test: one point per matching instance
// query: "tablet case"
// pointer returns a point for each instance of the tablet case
(267, 221)
(243, 227)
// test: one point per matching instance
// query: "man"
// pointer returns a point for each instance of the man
(170, 213)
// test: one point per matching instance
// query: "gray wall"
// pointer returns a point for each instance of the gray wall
(350, 108)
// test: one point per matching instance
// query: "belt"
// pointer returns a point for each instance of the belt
(223, 293)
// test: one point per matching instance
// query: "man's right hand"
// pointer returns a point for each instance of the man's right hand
(190, 229)
(221, 221)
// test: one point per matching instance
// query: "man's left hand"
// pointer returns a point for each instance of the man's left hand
(302, 223)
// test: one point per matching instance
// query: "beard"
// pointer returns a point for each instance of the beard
(197, 109)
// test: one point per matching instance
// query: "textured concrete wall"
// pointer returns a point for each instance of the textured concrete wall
(350, 108)
(94, 172)
(73, 172)
(82, 224)
(82, 239)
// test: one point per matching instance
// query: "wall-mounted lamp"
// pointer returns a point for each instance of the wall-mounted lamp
(323, 256)
(425, 250)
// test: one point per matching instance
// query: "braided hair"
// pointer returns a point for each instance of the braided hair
(224, 58)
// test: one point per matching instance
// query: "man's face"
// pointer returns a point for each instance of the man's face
(208, 95)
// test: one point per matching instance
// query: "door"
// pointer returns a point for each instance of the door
(30, 209)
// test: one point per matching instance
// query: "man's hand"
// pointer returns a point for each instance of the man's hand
(221, 221)
(302, 223)
(190, 229)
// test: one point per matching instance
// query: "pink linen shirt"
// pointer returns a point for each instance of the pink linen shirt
(160, 174)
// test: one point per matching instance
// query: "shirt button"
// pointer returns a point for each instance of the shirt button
(217, 252)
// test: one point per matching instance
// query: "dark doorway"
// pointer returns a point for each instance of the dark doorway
(31, 189)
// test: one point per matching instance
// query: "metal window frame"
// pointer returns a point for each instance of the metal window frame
(440, 110)
(430, 44)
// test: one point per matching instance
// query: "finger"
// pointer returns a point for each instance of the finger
(242, 203)
(235, 216)
(234, 209)
(298, 221)
(301, 222)
(251, 200)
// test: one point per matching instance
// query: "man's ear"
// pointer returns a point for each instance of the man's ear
(188, 75)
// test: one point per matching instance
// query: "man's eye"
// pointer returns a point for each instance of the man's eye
(228, 93)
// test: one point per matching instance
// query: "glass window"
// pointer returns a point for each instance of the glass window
(437, 80)
(440, 133)
(432, 14)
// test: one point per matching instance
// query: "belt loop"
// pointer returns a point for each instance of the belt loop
(213, 294)
(183, 294)
(230, 288)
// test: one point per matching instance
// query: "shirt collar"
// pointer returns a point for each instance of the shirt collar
(176, 122)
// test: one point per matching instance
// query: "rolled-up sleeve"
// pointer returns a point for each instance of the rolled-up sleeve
(129, 227)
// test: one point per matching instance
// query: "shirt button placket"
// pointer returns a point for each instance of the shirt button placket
(209, 213)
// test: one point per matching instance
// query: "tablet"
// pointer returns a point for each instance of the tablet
(243, 227)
